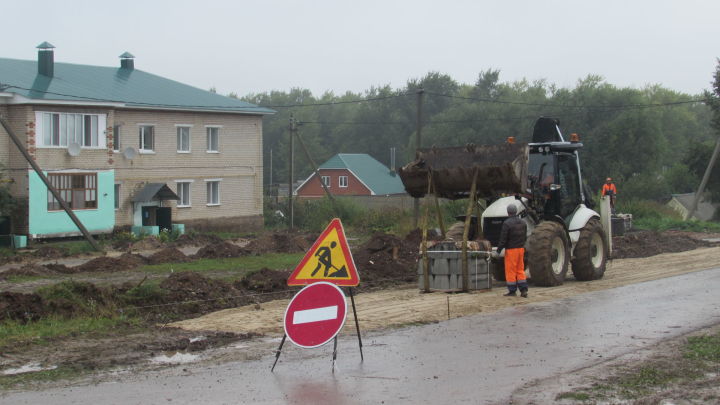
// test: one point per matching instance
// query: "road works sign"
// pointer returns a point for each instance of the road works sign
(329, 259)
(315, 315)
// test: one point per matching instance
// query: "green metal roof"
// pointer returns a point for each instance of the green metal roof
(372, 173)
(129, 87)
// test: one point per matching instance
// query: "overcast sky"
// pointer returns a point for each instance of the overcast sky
(262, 45)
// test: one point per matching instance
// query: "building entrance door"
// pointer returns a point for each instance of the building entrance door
(163, 216)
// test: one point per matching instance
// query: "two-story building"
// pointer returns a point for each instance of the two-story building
(126, 148)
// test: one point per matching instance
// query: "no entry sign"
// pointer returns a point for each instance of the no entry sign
(315, 315)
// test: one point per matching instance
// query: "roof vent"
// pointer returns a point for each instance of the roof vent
(127, 61)
(46, 59)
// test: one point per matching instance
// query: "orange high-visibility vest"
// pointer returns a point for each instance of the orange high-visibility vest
(607, 188)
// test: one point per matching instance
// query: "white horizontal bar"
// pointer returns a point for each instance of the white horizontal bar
(315, 315)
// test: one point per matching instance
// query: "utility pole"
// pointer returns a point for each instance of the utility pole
(50, 187)
(291, 162)
(704, 181)
(418, 145)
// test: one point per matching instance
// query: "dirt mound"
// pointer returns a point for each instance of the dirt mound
(648, 243)
(27, 270)
(168, 255)
(127, 261)
(385, 260)
(49, 252)
(19, 306)
(264, 280)
(148, 243)
(278, 242)
(199, 293)
(59, 268)
(220, 250)
(196, 239)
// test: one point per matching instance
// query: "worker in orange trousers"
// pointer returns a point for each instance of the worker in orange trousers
(512, 238)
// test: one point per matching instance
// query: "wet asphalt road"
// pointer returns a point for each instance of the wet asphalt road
(476, 359)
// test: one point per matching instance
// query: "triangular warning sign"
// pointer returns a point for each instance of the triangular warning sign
(329, 259)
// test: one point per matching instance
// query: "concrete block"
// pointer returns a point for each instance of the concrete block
(179, 228)
(19, 241)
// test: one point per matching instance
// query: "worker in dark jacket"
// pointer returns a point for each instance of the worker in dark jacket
(512, 239)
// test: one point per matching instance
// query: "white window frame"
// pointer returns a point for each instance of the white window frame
(117, 189)
(340, 181)
(142, 139)
(75, 197)
(44, 124)
(208, 129)
(188, 184)
(208, 185)
(180, 128)
(325, 180)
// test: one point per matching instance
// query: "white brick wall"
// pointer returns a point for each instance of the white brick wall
(238, 163)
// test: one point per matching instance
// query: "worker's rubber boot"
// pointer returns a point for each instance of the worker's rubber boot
(510, 294)
(524, 293)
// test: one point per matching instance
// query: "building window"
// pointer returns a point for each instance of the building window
(116, 138)
(325, 180)
(213, 192)
(183, 191)
(342, 181)
(147, 138)
(213, 138)
(79, 190)
(117, 196)
(61, 129)
(183, 139)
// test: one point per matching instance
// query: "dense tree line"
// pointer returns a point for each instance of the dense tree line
(648, 139)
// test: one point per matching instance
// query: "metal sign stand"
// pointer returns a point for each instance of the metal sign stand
(357, 328)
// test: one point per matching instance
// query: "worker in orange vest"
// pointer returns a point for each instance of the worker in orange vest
(609, 189)
(512, 238)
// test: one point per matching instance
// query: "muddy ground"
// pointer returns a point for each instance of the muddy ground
(254, 304)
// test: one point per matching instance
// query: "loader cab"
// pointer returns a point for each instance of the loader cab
(554, 178)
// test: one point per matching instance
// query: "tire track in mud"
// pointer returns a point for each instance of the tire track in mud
(395, 308)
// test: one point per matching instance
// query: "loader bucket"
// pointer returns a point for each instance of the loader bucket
(502, 169)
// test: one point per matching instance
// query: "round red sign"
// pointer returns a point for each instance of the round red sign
(315, 315)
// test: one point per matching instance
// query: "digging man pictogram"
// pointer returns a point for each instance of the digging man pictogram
(324, 255)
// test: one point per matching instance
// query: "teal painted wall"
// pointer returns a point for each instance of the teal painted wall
(44, 222)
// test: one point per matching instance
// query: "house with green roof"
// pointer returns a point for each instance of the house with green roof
(126, 149)
(352, 174)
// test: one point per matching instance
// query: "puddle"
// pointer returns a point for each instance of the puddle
(175, 358)
(197, 339)
(28, 368)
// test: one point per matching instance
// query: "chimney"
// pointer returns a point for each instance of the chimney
(127, 61)
(46, 59)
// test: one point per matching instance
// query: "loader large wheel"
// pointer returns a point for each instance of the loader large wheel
(548, 254)
(591, 252)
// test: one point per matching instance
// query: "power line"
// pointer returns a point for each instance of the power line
(90, 98)
(330, 103)
(497, 101)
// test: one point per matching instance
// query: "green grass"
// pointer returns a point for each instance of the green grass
(247, 263)
(699, 355)
(26, 379)
(576, 396)
(43, 331)
(665, 223)
(70, 247)
(703, 348)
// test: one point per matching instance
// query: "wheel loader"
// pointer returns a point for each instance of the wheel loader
(543, 180)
